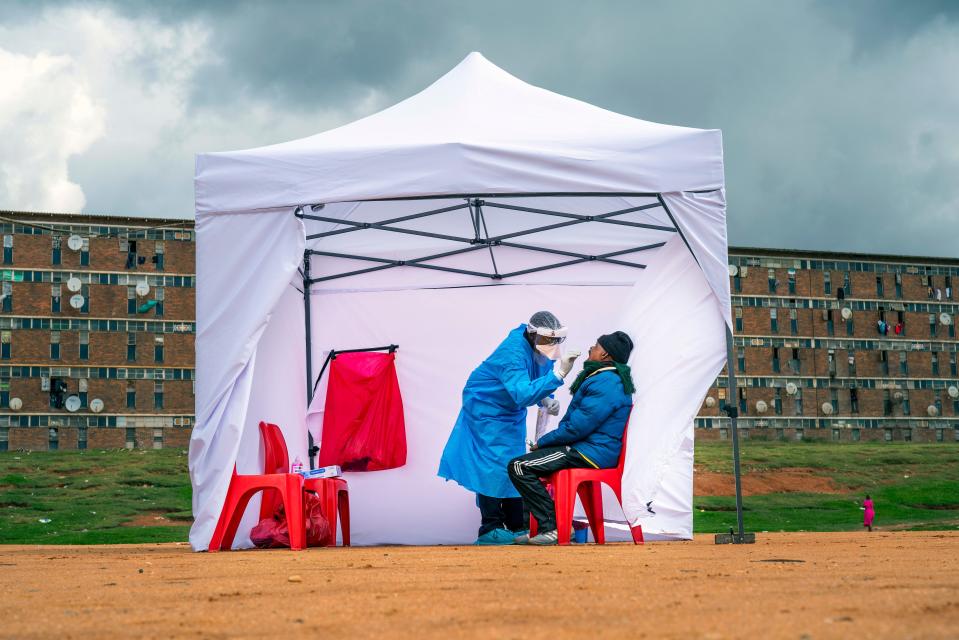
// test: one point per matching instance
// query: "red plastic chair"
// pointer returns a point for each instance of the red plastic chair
(333, 492)
(289, 486)
(567, 483)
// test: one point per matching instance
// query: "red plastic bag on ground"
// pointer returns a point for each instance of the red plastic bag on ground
(273, 532)
(363, 425)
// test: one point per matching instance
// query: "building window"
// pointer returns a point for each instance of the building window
(852, 364)
(831, 363)
(879, 287)
(55, 291)
(743, 405)
(55, 251)
(906, 409)
(854, 400)
(7, 296)
(131, 301)
(85, 253)
(158, 296)
(775, 359)
(739, 319)
(898, 285)
(54, 439)
(793, 322)
(131, 347)
(797, 409)
(772, 281)
(84, 345)
(903, 363)
(774, 320)
(158, 255)
(795, 363)
(737, 283)
(82, 391)
(948, 284)
(952, 365)
(131, 250)
(847, 284)
(54, 345)
(81, 438)
(850, 328)
(856, 434)
(826, 283)
(932, 325)
(935, 363)
(157, 395)
(741, 359)
(791, 282)
(4, 393)
(5, 345)
(778, 401)
(7, 249)
(131, 396)
(884, 362)
(85, 292)
(834, 399)
(830, 324)
(886, 403)
(887, 436)
(937, 402)
(158, 348)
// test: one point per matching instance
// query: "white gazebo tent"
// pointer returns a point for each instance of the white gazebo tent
(439, 224)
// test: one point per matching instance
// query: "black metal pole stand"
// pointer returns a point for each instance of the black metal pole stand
(732, 410)
(312, 449)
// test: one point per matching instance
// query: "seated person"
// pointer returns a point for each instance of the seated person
(590, 435)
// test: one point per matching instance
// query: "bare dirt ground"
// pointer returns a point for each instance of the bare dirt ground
(756, 483)
(788, 585)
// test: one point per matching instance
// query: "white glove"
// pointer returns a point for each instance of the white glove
(565, 364)
(551, 405)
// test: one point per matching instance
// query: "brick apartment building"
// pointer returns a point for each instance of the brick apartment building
(97, 331)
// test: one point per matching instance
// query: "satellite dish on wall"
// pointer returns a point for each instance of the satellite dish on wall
(143, 288)
(761, 406)
(76, 301)
(74, 284)
(733, 270)
(932, 411)
(72, 403)
(953, 391)
(710, 401)
(827, 408)
(75, 242)
(945, 318)
(846, 313)
(791, 388)
(898, 396)
(16, 404)
(96, 405)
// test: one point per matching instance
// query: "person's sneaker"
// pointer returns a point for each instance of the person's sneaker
(495, 537)
(545, 538)
(522, 538)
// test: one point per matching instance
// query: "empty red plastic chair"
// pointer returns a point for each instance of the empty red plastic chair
(333, 492)
(567, 483)
(289, 487)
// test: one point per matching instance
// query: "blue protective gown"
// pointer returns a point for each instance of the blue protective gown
(491, 427)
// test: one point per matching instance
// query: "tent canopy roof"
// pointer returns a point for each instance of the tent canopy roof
(477, 129)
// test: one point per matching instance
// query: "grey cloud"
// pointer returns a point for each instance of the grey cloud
(838, 118)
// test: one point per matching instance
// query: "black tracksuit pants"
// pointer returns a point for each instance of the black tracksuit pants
(526, 470)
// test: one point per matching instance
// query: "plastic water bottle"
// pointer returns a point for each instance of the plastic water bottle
(297, 466)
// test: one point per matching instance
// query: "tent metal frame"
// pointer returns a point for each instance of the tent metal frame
(481, 240)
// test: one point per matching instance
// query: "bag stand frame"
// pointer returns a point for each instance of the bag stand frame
(481, 240)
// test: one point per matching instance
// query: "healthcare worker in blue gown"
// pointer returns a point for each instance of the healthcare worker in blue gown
(490, 431)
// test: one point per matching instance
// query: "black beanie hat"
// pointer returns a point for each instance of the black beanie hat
(618, 345)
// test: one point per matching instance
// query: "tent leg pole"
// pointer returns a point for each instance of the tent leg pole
(732, 410)
(309, 351)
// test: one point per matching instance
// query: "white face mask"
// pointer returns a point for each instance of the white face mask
(551, 351)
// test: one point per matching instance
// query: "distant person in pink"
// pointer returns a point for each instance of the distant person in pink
(870, 513)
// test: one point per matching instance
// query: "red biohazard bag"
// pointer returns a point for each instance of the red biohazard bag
(273, 532)
(363, 426)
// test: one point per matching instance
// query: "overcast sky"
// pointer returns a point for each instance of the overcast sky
(840, 119)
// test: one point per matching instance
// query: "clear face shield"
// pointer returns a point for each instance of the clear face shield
(547, 341)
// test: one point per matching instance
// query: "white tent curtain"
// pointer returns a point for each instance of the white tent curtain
(250, 342)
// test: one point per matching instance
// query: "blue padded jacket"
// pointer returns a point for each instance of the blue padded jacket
(595, 420)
